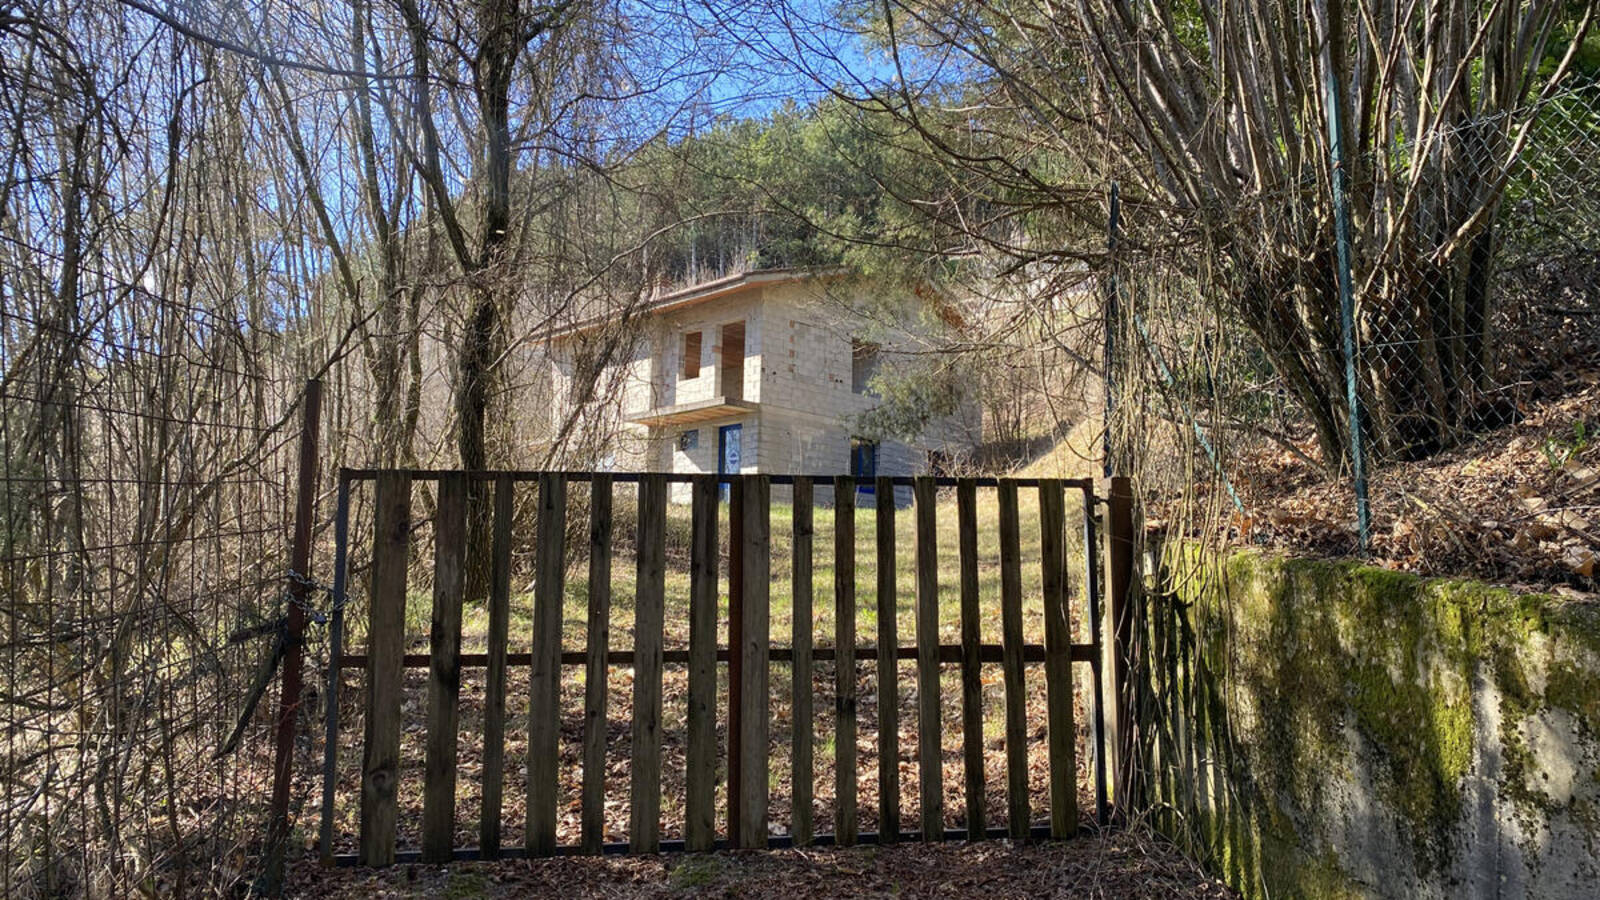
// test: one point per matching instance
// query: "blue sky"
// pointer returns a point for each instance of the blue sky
(790, 51)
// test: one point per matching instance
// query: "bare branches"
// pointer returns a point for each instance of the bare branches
(258, 54)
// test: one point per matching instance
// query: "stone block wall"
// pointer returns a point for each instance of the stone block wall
(797, 368)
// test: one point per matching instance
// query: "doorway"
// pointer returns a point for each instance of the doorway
(730, 448)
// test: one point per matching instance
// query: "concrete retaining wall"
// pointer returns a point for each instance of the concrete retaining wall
(1336, 730)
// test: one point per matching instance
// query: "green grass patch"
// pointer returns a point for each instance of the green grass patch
(901, 555)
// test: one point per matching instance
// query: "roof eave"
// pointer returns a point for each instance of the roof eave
(683, 298)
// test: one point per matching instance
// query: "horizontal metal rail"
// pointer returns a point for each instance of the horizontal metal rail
(862, 482)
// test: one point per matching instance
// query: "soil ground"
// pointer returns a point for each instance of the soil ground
(1517, 505)
(1112, 865)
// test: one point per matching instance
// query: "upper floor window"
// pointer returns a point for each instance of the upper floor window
(691, 354)
(733, 360)
(863, 365)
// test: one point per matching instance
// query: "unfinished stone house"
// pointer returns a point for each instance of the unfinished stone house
(763, 371)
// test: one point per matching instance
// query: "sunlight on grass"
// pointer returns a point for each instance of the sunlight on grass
(623, 580)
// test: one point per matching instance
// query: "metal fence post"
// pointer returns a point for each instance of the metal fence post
(295, 626)
(1112, 318)
(1347, 303)
(1092, 587)
(330, 744)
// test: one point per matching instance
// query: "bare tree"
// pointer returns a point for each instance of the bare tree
(1214, 120)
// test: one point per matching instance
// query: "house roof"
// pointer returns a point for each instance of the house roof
(682, 298)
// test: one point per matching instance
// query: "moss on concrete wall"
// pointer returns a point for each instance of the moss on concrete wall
(1326, 729)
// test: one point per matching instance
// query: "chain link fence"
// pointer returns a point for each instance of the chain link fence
(1474, 263)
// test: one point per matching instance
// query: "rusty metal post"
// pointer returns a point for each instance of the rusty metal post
(330, 743)
(735, 651)
(294, 640)
(1119, 578)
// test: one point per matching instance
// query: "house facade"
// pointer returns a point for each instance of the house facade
(757, 372)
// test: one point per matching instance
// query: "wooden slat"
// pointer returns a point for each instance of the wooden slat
(1097, 719)
(544, 707)
(386, 624)
(701, 758)
(494, 701)
(844, 592)
(1120, 621)
(735, 655)
(801, 716)
(757, 640)
(644, 770)
(930, 751)
(1058, 662)
(444, 675)
(888, 695)
(595, 672)
(971, 658)
(1011, 636)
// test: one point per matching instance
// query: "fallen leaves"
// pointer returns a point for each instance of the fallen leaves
(1499, 507)
(1116, 864)
(1121, 864)
(1581, 559)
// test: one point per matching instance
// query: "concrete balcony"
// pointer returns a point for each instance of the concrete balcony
(690, 413)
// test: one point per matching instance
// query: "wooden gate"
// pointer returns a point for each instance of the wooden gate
(748, 654)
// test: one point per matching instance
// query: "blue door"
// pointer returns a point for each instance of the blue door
(729, 440)
(864, 464)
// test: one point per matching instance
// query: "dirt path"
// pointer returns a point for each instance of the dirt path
(1116, 865)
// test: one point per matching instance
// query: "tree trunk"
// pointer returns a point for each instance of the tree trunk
(478, 366)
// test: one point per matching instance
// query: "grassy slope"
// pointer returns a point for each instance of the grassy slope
(824, 556)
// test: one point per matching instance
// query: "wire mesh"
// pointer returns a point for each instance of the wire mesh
(146, 500)
(1476, 248)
